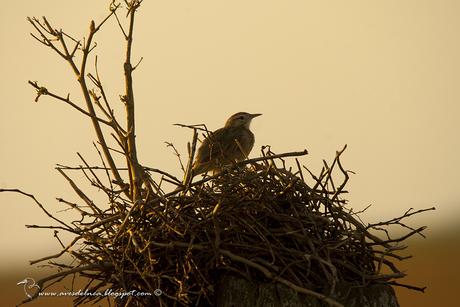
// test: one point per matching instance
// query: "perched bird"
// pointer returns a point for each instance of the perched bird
(226, 145)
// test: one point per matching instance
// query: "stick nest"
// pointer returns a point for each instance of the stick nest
(257, 219)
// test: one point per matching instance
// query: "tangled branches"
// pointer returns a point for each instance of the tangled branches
(256, 219)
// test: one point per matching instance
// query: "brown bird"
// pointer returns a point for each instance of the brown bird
(226, 145)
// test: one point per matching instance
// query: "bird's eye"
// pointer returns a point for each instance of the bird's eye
(241, 117)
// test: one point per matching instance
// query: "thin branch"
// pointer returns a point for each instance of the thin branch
(135, 170)
(66, 227)
(80, 193)
(45, 92)
(394, 283)
(58, 254)
(192, 149)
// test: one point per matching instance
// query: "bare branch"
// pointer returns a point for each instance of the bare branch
(80, 193)
(58, 254)
(135, 171)
(66, 227)
(44, 91)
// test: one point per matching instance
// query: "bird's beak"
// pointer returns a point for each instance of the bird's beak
(255, 115)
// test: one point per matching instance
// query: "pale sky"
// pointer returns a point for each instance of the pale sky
(380, 76)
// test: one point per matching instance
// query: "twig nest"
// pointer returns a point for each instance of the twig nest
(259, 221)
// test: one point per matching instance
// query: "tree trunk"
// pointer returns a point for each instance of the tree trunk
(238, 292)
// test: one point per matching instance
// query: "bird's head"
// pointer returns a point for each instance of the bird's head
(241, 119)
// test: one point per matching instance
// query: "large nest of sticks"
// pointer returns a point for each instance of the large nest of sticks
(257, 219)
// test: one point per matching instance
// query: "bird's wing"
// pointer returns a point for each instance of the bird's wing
(225, 145)
(231, 146)
(211, 147)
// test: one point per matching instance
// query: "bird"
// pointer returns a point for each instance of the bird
(227, 145)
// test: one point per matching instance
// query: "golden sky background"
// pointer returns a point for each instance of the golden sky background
(380, 76)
